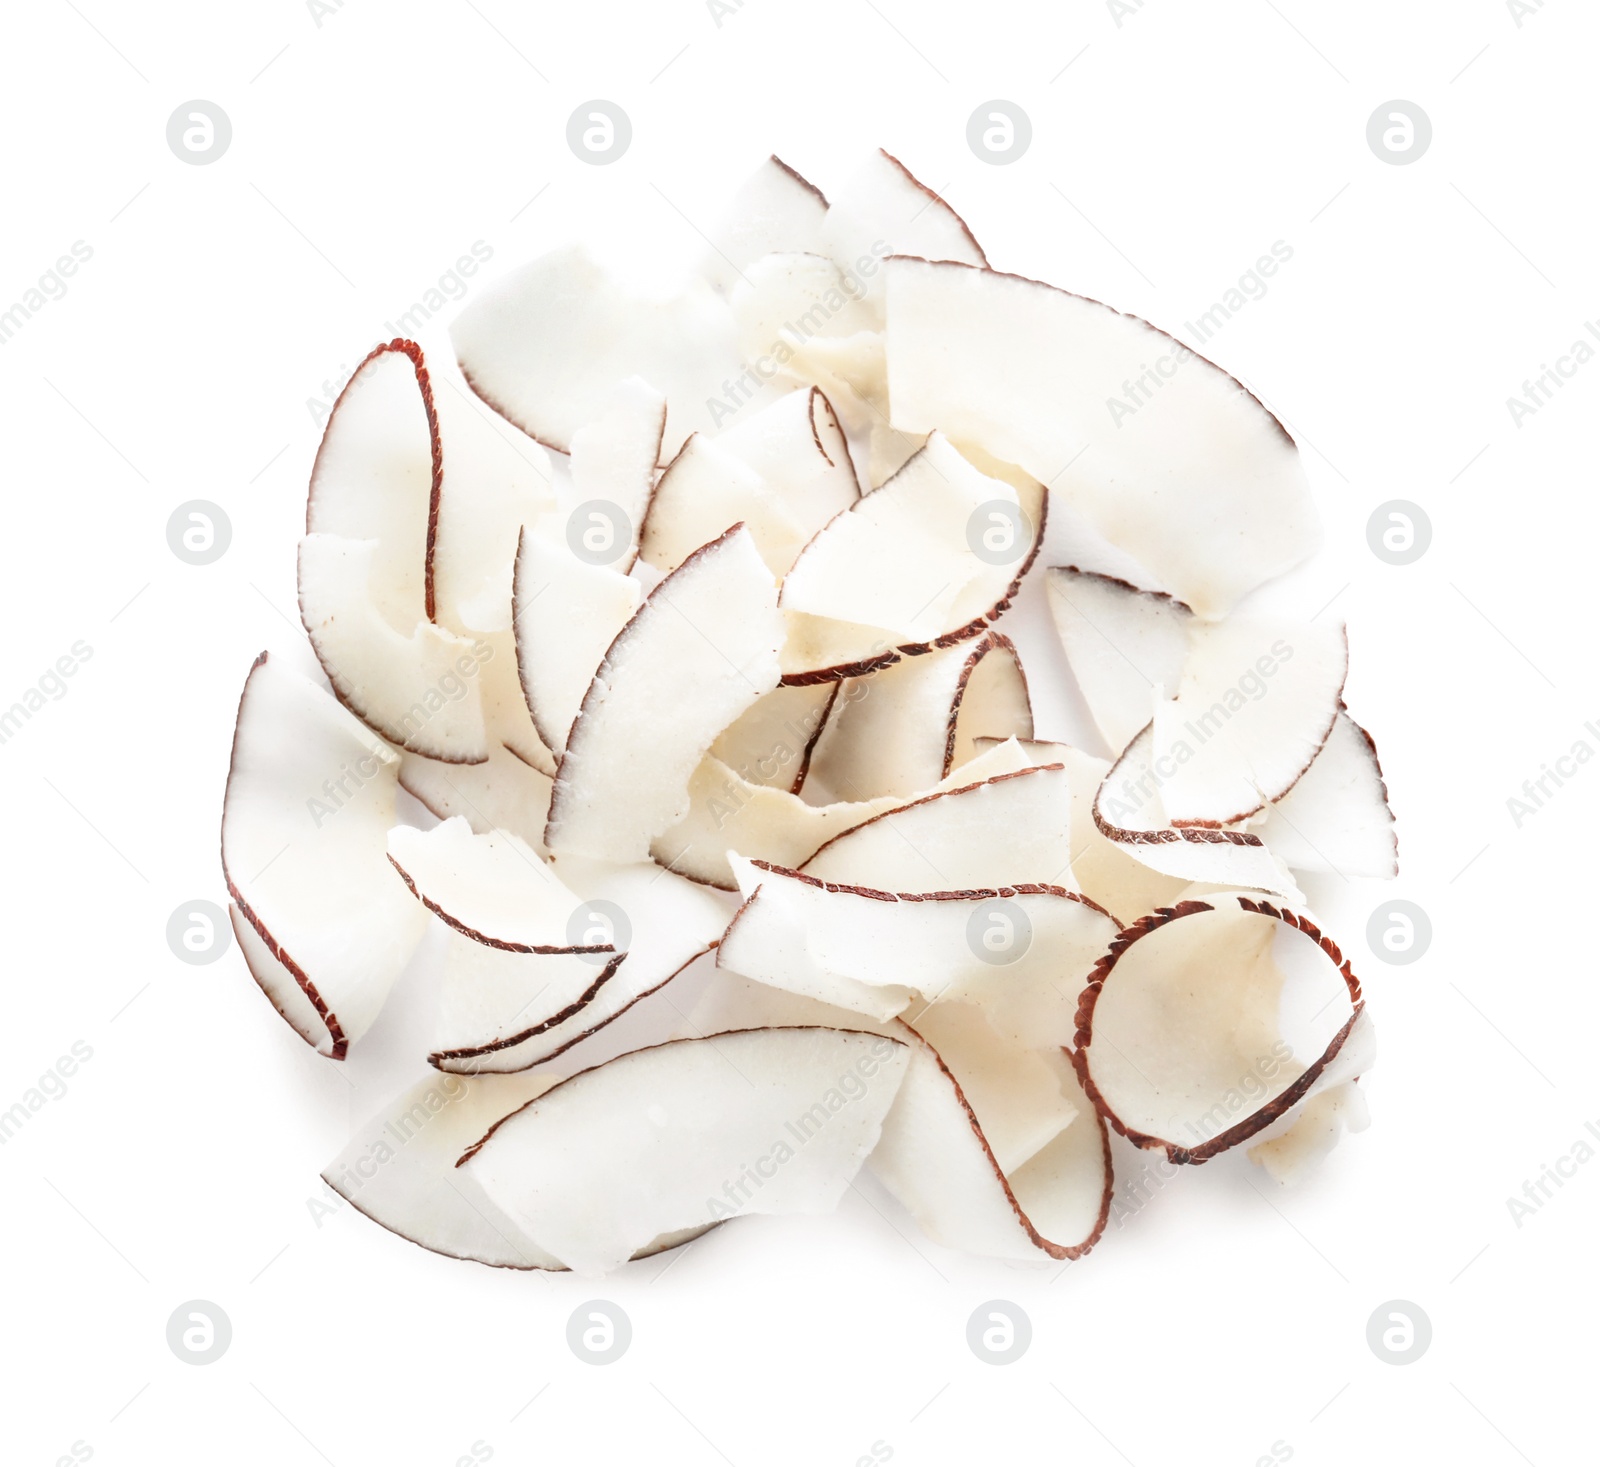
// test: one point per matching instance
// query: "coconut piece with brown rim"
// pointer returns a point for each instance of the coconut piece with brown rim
(712, 626)
(688, 1133)
(903, 729)
(1181, 1039)
(1169, 457)
(366, 571)
(305, 817)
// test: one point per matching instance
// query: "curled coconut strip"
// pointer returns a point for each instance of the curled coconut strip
(1178, 1030)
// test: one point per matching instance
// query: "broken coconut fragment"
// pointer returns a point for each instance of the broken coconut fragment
(305, 819)
(688, 1133)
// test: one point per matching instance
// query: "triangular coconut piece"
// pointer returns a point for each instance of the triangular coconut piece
(901, 559)
(1336, 816)
(770, 743)
(1009, 829)
(1122, 644)
(935, 1155)
(774, 209)
(871, 950)
(729, 814)
(1181, 1041)
(613, 462)
(665, 924)
(903, 729)
(566, 613)
(883, 209)
(504, 793)
(1254, 706)
(703, 491)
(400, 1170)
(1129, 810)
(546, 344)
(1168, 456)
(686, 1134)
(305, 819)
(711, 627)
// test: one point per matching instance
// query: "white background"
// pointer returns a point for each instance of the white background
(1169, 152)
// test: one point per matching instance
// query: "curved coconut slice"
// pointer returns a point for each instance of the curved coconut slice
(903, 729)
(774, 209)
(770, 743)
(1181, 1043)
(688, 1133)
(494, 479)
(1256, 703)
(703, 491)
(614, 459)
(731, 814)
(309, 803)
(494, 999)
(1017, 1090)
(1104, 870)
(712, 626)
(934, 1155)
(883, 209)
(1168, 456)
(1336, 817)
(566, 613)
(902, 558)
(1311, 1134)
(377, 477)
(870, 950)
(666, 923)
(491, 888)
(504, 793)
(1122, 644)
(1129, 810)
(1009, 829)
(400, 1170)
(408, 686)
(281, 987)
(797, 446)
(546, 344)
